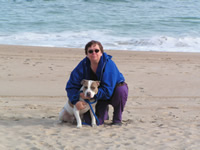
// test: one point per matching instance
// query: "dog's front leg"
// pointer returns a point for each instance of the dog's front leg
(77, 116)
(93, 117)
(61, 115)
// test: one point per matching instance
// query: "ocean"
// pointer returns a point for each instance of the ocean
(138, 25)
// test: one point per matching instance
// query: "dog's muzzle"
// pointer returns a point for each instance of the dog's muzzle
(88, 94)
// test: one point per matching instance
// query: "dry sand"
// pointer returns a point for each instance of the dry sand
(162, 112)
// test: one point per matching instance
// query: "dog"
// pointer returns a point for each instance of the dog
(89, 88)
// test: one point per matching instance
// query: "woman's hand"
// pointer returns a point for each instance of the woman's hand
(81, 105)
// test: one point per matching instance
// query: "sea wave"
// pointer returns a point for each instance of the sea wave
(162, 43)
(110, 41)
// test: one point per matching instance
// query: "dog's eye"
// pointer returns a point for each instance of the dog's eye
(92, 87)
(85, 87)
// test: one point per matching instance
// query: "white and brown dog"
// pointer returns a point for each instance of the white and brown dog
(89, 88)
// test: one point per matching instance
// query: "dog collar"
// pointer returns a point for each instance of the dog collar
(87, 101)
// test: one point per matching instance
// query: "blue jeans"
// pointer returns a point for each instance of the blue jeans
(118, 102)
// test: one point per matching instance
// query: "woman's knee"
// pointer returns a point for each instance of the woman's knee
(120, 95)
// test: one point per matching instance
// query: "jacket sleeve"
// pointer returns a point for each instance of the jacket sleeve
(74, 83)
(108, 81)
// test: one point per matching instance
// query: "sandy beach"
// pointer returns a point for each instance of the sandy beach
(162, 111)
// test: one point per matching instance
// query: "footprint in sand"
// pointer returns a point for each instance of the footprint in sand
(51, 68)
(27, 62)
(30, 106)
(36, 63)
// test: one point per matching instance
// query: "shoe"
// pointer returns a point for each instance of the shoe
(116, 124)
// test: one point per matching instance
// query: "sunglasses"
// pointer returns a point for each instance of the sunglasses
(91, 51)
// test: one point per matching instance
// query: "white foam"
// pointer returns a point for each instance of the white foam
(109, 41)
(160, 43)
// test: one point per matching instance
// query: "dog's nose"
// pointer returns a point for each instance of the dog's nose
(88, 94)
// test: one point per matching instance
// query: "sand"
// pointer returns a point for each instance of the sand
(162, 111)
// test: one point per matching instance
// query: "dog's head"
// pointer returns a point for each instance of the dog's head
(90, 87)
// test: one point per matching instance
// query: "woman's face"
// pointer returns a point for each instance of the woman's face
(94, 53)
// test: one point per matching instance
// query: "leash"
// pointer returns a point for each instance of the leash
(90, 104)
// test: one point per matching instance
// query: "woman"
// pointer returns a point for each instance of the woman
(97, 65)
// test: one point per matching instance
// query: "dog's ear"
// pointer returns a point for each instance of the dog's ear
(83, 81)
(98, 83)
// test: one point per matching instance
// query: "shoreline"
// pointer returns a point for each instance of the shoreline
(50, 47)
(162, 111)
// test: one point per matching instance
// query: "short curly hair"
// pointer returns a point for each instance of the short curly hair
(93, 42)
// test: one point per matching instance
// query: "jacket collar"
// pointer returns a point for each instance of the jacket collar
(103, 60)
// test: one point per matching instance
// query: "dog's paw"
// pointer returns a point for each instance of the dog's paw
(79, 126)
(94, 125)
